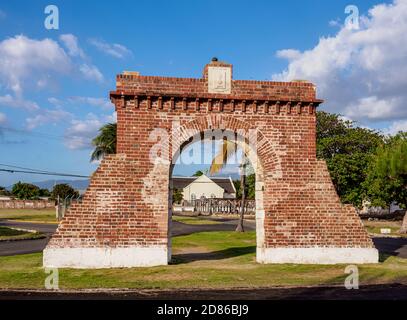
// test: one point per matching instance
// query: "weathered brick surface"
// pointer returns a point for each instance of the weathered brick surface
(127, 203)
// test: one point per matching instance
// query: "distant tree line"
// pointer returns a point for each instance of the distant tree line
(28, 191)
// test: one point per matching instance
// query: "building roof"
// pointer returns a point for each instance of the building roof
(225, 183)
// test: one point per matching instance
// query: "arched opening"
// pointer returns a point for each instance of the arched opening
(200, 195)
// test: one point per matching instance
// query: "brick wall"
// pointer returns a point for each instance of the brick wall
(127, 202)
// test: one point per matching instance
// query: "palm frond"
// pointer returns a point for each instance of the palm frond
(105, 142)
(226, 151)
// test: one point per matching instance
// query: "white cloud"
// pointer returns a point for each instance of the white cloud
(71, 43)
(81, 132)
(289, 54)
(97, 102)
(115, 50)
(19, 102)
(91, 72)
(47, 116)
(396, 127)
(27, 63)
(3, 118)
(103, 103)
(88, 70)
(335, 23)
(373, 108)
(55, 101)
(361, 74)
(111, 118)
(24, 60)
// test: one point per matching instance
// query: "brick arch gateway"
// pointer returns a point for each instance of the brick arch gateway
(247, 138)
(123, 220)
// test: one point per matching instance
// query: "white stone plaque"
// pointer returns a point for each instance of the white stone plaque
(385, 231)
(219, 80)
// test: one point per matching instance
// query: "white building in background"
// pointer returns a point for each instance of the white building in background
(195, 188)
(368, 208)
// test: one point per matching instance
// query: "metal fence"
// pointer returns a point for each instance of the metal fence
(220, 206)
(201, 206)
(63, 204)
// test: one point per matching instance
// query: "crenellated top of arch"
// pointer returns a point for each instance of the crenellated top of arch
(168, 94)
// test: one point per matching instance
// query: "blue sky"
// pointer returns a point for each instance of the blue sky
(54, 84)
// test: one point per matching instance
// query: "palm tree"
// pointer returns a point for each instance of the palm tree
(105, 142)
(227, 150)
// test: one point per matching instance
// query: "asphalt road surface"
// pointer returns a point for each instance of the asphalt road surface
(390, 246)
(10, 248)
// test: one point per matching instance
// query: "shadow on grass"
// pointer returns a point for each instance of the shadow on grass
(214, 255)
(390, 247)
(384, 256)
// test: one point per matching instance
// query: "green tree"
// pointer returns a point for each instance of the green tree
(105, 142)
(25, 191)
(177, 196)
(4, 192)
(63, 191)
(198, 173)
(391, 159)
(44, 193)
(387, 179)
(249, 187)
(348, 151)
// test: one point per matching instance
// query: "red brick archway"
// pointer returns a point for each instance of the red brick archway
(123, 219)
(243, 134)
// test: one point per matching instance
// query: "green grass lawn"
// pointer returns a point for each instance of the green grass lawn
(194, 220)
(14, 234)
(29, 215)
(8, 232)
(376, 226)
(200, 260)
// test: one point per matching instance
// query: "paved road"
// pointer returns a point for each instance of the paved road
(9, 248)
(372, 292)
(47, 228)
(391, 246)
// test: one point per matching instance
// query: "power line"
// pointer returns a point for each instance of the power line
(23, 168)
(36, 171)
(44, 173)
